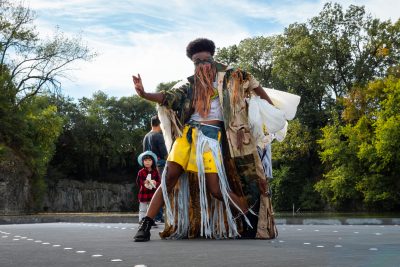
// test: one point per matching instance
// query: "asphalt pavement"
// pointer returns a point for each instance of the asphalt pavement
(118, 217)
(110, 244)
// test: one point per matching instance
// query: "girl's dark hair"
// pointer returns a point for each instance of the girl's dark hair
(200, 45)
(153, 164)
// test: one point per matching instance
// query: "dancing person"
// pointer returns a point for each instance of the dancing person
(206, 111)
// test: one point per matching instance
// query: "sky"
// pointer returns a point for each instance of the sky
(150, 36)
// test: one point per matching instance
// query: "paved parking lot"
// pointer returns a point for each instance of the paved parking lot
(110, 244)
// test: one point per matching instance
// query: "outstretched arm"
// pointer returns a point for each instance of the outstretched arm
(154, 97)
(262, 94)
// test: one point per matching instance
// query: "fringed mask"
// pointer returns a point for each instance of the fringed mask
(203, 85)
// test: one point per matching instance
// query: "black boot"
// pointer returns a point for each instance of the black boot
(249, 232)
(143, 233)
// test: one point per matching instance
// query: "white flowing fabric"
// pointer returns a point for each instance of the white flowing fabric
(284, 101)
(261, 113)
(166, 127)
(281, 134)
(168, 120)
(265, 119)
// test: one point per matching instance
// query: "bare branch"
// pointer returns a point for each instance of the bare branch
(34, 65)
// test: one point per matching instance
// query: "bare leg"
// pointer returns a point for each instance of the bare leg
(212, 181)
(174, 170)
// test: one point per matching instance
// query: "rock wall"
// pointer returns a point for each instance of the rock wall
(62, 196)
(76, 196)
(14, 184)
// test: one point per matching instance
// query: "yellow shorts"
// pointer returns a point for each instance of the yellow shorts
(184, 153)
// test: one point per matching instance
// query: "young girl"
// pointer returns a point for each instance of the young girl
(148, 181)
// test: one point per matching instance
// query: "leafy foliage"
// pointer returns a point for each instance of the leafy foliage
(30, 68)
(362, 156)
(292, 182)
(101, 138)
(330, 61)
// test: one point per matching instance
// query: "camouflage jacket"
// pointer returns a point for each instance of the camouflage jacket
(235, 112)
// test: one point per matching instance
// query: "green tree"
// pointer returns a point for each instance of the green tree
(30, 69)
(166, 86)
(228, 55)
(43, 127)
(35, 65)
(361, 157)
(321, 60)
(255, 55)
(294, 176)
(101, 138)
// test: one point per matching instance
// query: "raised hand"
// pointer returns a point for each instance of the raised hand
(137, 81)
(154, 97)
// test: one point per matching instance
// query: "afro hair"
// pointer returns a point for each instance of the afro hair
(200, 45)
